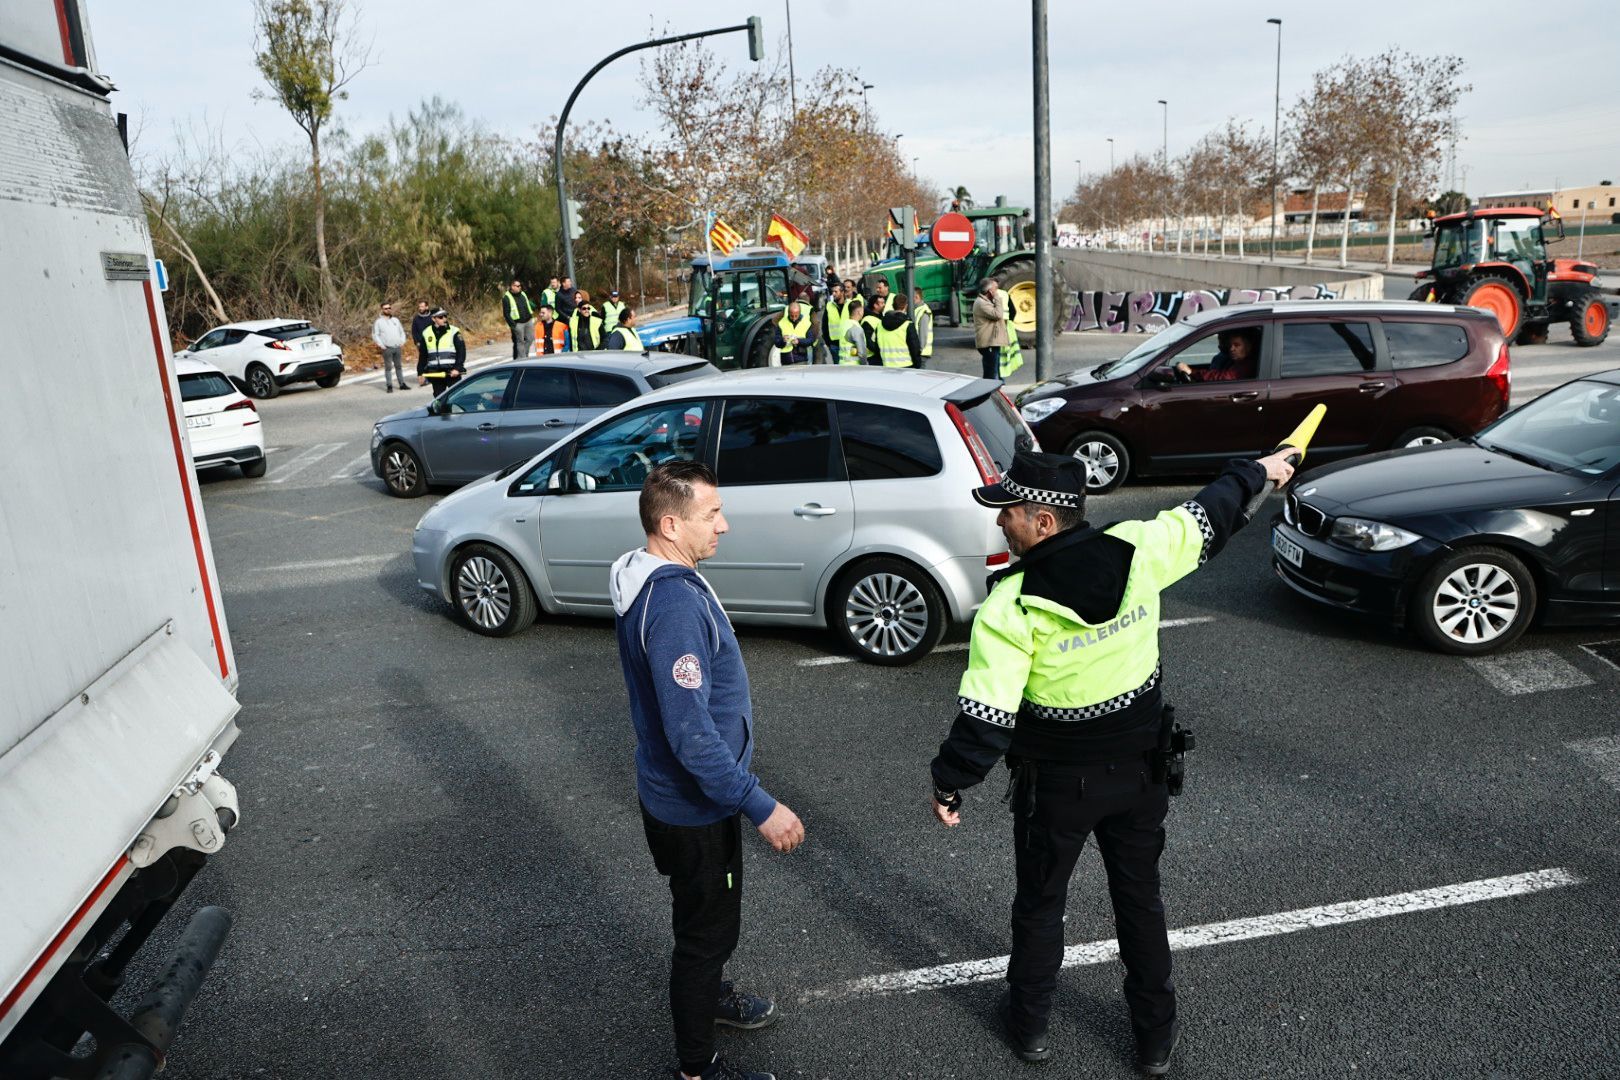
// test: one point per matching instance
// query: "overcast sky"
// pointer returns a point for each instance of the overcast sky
(1542, 109)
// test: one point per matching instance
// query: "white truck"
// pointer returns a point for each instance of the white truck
(117, 680)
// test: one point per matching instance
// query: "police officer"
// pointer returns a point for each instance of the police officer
(445, 353)
(611, 310)
(1063, 679)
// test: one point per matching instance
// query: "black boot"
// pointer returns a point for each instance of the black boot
(1028, 1047)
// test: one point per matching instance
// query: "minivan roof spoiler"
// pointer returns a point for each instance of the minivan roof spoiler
(971, 393)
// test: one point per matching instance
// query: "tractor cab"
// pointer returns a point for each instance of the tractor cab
(734, 300)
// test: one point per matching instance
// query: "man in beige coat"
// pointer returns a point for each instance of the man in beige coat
(990, 327)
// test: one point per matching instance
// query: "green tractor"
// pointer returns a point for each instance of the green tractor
(950, 288)
(732, 307)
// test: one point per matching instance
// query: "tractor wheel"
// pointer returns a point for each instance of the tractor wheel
(1495, 294)
(1532, 333)
(1590, 318)
(1018, 281)
(1422, 292)
(757, 353)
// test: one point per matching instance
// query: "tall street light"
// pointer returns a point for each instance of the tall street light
(1045, 293)
(756, 53)
(1276, 133)
(1110, 155)
(865, 108)
(1164, 164)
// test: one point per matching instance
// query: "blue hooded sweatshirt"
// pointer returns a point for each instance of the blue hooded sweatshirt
(688, 695)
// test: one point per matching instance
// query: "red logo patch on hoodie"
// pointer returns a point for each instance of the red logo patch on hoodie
(688, 672)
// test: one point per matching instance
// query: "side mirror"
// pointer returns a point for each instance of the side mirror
(581, 481)
(1558, 224)
(437, 407)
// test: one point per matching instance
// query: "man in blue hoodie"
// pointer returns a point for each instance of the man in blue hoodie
(694, 744)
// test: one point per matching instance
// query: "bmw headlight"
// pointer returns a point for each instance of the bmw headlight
(1036, 411)
(1359, 534)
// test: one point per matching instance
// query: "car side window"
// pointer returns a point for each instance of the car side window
(884, 443)
(538, 479)
(235, 337)
(1231, 354)
(776, 441)
(211, 340)
(545, 388)
(600, 391)
(1327, 348)
(618, 455)
(1424, 344)
(481, 393)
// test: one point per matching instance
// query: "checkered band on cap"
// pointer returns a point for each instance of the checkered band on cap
(1040, 495)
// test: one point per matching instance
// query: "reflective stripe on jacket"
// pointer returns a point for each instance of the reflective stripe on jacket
(892, 345)
(593, 331)
(441, 349)
(516, 312)
(611, 310)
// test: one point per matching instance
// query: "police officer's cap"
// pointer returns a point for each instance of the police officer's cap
(440, 313)
(1047, 479)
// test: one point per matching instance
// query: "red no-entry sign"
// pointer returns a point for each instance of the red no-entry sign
(952, 236)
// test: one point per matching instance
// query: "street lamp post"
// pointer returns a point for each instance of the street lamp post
(1276, 130)
(1045, 293)
(1110, 155)
(866, 109)
(756, 52)
(1164, 164)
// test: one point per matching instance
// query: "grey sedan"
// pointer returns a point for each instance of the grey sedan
(512, 412)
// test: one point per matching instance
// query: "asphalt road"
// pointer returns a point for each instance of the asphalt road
(440, 870)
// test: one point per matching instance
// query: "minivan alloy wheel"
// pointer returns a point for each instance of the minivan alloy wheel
(1476, 603)
(1102, 463)
(886, 614)
(483, 592)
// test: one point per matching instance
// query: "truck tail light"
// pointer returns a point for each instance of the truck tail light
(1501, 373)
(981, 455)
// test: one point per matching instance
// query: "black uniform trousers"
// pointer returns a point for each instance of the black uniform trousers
(1121, 805)
(704, 866)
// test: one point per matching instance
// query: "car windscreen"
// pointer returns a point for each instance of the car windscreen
(1574, 429)
(288, 331)
(1000, 428)
(1144, 354)
(671, 375)
(204, 384)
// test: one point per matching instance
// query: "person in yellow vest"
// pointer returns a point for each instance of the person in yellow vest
(881, 293)
(519, 312)
(852, 344)
(795, 334)
(834, 314)
(923, 317)
(584, 325)
(897, 343)
(1012, 356)
(611, 310)
(624, 335)
(444, 359)
(548, 295)
(871, 323)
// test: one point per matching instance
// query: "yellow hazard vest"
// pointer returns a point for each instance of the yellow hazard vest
(923, 316)
(892, 346)
(441, 350)
(594, 325)
(837, 316)
(511, 300)
(548, 297)
(610, 315)
(849, 353)
(790, 330)
(1012, 356)
(629, 340)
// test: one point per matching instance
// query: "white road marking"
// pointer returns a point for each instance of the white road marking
(322, 564)
(1221, 933)
(1603, 754)
(358, 467)
(1592, 650)
(962, 646)
(303, 461)
(1529, 672)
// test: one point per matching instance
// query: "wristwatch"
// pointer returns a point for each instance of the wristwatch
(950, 800)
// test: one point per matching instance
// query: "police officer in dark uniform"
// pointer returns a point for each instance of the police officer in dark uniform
(444, 359)
(1063, 679)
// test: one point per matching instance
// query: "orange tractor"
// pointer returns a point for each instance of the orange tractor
(1497, 260)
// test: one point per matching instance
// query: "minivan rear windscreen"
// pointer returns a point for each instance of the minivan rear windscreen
(993, 417)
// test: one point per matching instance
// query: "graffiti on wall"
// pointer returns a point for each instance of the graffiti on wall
(1148, 312)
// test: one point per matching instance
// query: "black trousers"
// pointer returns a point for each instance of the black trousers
(1124, 809)
(990, 362)
(704, 866)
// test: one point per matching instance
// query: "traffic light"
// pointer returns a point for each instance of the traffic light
(905, 218)
(756, 39)
(574, 227)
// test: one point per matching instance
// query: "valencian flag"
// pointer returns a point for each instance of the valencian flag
(786, 235)
(894, 226)
(724, 237)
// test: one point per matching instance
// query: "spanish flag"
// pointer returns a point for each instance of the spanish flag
(786, 235)
(724, 237)
(894, 226)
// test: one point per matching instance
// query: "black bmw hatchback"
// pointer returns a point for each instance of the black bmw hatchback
(1470, 542)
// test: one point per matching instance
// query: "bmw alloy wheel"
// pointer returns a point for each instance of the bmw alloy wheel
(399, 470)
(483, 592)
(886, 614)
(1101, 462)
(1476, 603)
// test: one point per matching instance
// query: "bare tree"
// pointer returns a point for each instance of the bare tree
(308, 51)
(157, 209)
(1408, 112)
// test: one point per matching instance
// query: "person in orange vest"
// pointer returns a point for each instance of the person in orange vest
(553, 335)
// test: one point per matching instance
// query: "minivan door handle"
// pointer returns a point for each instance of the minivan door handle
(486, 426)
(1369, 387)
(1246, 395)
(814, 510)
(555, 422)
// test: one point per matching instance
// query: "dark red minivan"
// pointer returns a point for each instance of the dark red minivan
(1232, 382)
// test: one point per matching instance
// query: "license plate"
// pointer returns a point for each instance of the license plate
(1287, 548)
(314, 344)
(199, 421)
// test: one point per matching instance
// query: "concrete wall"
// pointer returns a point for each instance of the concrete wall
(1141, 271)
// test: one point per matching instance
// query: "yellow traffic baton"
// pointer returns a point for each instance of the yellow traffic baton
(1299, 439)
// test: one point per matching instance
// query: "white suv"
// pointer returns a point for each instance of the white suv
(263, 356)
(222, 425)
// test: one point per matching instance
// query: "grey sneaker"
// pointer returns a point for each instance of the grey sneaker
(747, 1011)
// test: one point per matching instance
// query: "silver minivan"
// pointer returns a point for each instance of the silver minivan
(847, 491)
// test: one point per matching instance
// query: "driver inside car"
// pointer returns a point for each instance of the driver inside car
(1238, 359)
